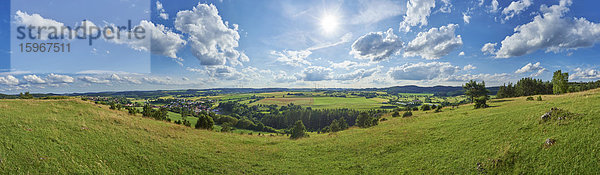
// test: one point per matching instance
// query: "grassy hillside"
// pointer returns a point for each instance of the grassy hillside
(71, 136)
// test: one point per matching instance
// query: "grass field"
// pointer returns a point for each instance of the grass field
(72, 136)
(360, 103)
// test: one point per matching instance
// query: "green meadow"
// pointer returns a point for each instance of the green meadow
(77, 137)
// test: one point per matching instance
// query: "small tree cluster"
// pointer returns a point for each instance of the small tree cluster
(407, 114)
(204, 122)
(364, 120)
(425, 107)
(478, 93)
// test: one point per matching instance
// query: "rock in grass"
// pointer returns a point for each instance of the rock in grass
(549, 142)
(546, 116)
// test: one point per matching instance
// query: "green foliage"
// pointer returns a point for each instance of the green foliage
(298, 131)
(425, 107)
(26, 95)
(407, 114)
(396, 114)
(481, 102)
(474, 89)
(529, 99)
(539, 98)
(560, 82)
(204, 122)
(364, 120)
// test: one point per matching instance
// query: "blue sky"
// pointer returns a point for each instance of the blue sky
(353, 44)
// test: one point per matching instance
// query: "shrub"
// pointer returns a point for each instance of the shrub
(204, 122)
(396, 114)
(415, 108)
(298, 131)
(407, 114)
(529, 99)
(383, 119)
(539, 98)
(425, 107)
(480, 102)
(439, 109)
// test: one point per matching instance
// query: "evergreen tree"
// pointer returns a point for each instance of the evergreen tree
(363, 120)
(298, 131)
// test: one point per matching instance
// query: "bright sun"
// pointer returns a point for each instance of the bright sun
(329, 23)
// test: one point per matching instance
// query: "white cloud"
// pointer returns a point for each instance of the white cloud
(536, 68)
(9, 80)
(282, 77)
(163, 41)
(447, 8)
(90, 79)
(347, 65)
(489, 48)
(56, 78)
(584, 74)
(224, 72)
(434, 43)
(417, 13)
(161, 11)
(503, 77)
(376, 46)
(494, 8)
(550, 31)
(461, 54)
(292, 58)
(24, 19)
(515, 8)
(466, 18)
(357, 74)
(481, 2)
(423, 71)
(375, 11)
(212, 41)
(315, 73)
(34, 79)
(469, 67)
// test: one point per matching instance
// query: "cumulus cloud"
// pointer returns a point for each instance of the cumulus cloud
(315, 73)
(9, 80)
(25, 19)
(536, 68)
(434, 43)
(489, 48)
(212, 40)
(161, 11)
(283, 77)
(550, 31)
(347, 65)
(89, 79)
(466, 18)
(357, 74)
(56, 78)
(292, 57)
(584, 74)
(163, 41)
(376, 46)
(423, 71)
(417, 13)
(469, 67)
(34, 79)
(503, 77)
(515, 8)
(447, 8)
(494, 7)
(461, 54)
(224, 72)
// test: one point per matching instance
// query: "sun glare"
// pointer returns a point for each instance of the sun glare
(329, 23)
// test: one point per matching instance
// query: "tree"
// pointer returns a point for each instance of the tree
(363, 120)
(396, 114)
(477, 92)
(298, 131)
(204, 122)
(560, 82)
(474, 89)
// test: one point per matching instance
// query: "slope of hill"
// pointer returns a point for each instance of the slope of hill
(72, 136)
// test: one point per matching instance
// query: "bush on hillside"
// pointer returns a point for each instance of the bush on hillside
(425, 107)
(539, 98)
(529, 99)
(298, 131)
(407, 114)
(396, 114)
